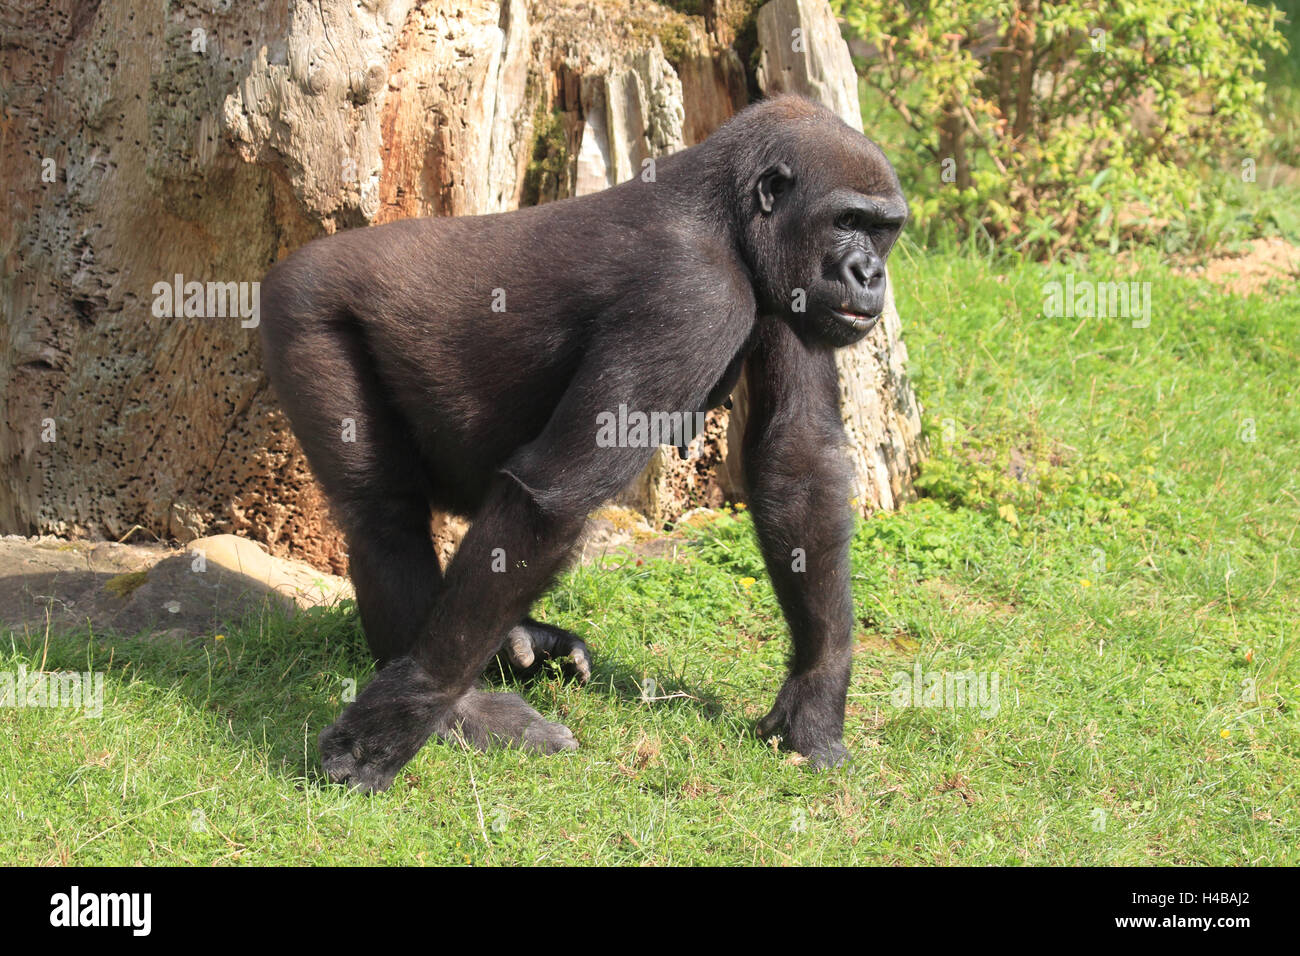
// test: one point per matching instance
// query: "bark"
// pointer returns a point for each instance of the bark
(142, 140)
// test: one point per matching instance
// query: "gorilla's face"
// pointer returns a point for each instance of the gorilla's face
(856, 233)
(827, 229)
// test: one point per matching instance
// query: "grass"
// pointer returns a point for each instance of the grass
(1108, 524)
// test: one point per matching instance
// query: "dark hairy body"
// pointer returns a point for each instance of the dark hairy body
(472, 357)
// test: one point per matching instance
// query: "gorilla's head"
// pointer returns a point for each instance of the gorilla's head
(822, 208)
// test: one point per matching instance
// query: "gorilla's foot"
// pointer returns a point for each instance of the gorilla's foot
(823, 750)
(808, 724)
(531, 644)
(401, 708)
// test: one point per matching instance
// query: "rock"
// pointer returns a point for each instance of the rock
(802, 51)
(133, 589)
(301, 584)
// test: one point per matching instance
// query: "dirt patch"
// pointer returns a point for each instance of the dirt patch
(615, 528)
(959, 600)
(1248, 272)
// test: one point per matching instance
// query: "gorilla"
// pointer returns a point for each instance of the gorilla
(462, 363)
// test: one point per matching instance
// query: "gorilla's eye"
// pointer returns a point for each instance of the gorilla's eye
(850, 221)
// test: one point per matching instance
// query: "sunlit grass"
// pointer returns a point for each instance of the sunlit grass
(1109, 526)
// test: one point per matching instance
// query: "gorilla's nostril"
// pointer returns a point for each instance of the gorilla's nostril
(854, 270)
(862, 272)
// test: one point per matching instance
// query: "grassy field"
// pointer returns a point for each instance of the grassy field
(1107, 529)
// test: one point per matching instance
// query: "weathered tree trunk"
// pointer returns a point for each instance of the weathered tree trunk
(208, 139)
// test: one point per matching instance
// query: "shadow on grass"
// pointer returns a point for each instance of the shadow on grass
(261, 676)
(270, 677)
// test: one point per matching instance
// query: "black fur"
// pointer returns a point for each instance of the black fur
(766, 243)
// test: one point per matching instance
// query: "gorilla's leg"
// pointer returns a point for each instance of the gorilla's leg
(395, 572)
(523, 532)
(365, 458)
(369, 466)
(531, 644)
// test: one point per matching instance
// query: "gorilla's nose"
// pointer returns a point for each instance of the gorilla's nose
(862, 272)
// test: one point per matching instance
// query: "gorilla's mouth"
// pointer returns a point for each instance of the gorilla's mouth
(858, 321)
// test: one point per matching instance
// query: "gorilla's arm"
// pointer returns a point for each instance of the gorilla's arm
(800, 483)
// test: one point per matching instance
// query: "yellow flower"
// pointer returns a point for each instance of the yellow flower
(1225, 733)
(747, 583)
(1084, 583)
(220, 637)
(741, 506)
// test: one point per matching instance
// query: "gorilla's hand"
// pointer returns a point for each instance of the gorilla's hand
(402, 707)
(383, 728)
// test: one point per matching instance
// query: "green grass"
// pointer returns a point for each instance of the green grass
(1128, 588)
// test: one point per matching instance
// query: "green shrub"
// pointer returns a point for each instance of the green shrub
(1053, 126)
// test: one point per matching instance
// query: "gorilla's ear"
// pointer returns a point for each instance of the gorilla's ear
(774, 181)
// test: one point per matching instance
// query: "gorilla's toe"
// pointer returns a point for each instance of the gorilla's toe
(531, 644)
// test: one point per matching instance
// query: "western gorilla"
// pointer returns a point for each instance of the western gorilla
(461, 364)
